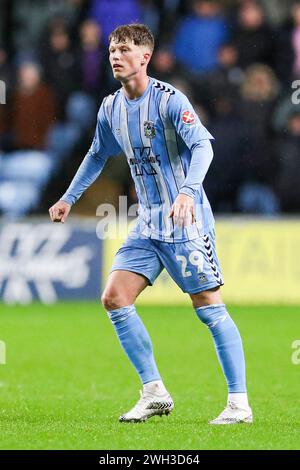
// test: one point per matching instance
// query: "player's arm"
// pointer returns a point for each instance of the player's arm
(103, 145)
(197, 138)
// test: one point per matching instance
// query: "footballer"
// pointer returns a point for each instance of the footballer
(169, 152)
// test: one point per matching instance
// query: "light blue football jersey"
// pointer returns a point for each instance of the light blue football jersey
(159, 133)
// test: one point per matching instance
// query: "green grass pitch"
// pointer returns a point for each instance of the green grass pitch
(66, 380)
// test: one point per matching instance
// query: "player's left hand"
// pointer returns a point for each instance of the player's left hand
(183, 210)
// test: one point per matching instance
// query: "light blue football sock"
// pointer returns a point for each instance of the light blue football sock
(228, 344)
(135, 341)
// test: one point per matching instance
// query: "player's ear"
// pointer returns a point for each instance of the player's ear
(146, 58)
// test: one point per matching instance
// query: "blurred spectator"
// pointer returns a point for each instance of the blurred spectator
(284, 54)
(200, 36)
(259, 93)
(60, 63)
(111, 13)
(33, 109)
(287, 59)
(226, 173)
(253, 38)
(277, 11)
(163, 65)
(2, 24)
(150, 15)
(259, 89)
(6, 70)
(91, 57)
(170, 11)
(226, 80)
(32, 17)
(295, 39)
(288, 151)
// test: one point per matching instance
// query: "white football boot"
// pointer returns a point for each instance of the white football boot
(234, 414)
(150, 404)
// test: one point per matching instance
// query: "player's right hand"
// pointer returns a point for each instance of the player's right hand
(59, 211)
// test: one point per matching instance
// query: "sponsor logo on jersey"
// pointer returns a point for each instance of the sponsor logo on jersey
(149, 129)
(143, 161)
(188, 117)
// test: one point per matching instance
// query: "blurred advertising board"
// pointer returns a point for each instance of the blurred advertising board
(40, 261)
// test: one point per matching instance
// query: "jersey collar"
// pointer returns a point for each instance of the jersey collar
(130, 103)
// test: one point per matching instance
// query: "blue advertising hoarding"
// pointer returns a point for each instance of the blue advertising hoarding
(49, 262)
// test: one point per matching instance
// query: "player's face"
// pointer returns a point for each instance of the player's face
(126, 59)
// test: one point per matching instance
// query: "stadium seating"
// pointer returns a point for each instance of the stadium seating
(23, 174)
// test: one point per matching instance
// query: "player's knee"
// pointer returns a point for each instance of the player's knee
(112, 299)
(108, 301)
(208, 297)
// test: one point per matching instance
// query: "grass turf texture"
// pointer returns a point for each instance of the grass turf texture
(67, 380)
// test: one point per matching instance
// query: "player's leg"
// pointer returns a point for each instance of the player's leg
(134, 268)
(122, 288)
(194, 267)
(213, 313)
(118, 299)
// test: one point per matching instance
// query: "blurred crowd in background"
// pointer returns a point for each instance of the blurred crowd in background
(235, 59)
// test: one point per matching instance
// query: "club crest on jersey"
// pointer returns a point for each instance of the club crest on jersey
(188, 117)
(149, 129)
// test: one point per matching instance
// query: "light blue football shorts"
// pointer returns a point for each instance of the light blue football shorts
(193, 265)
